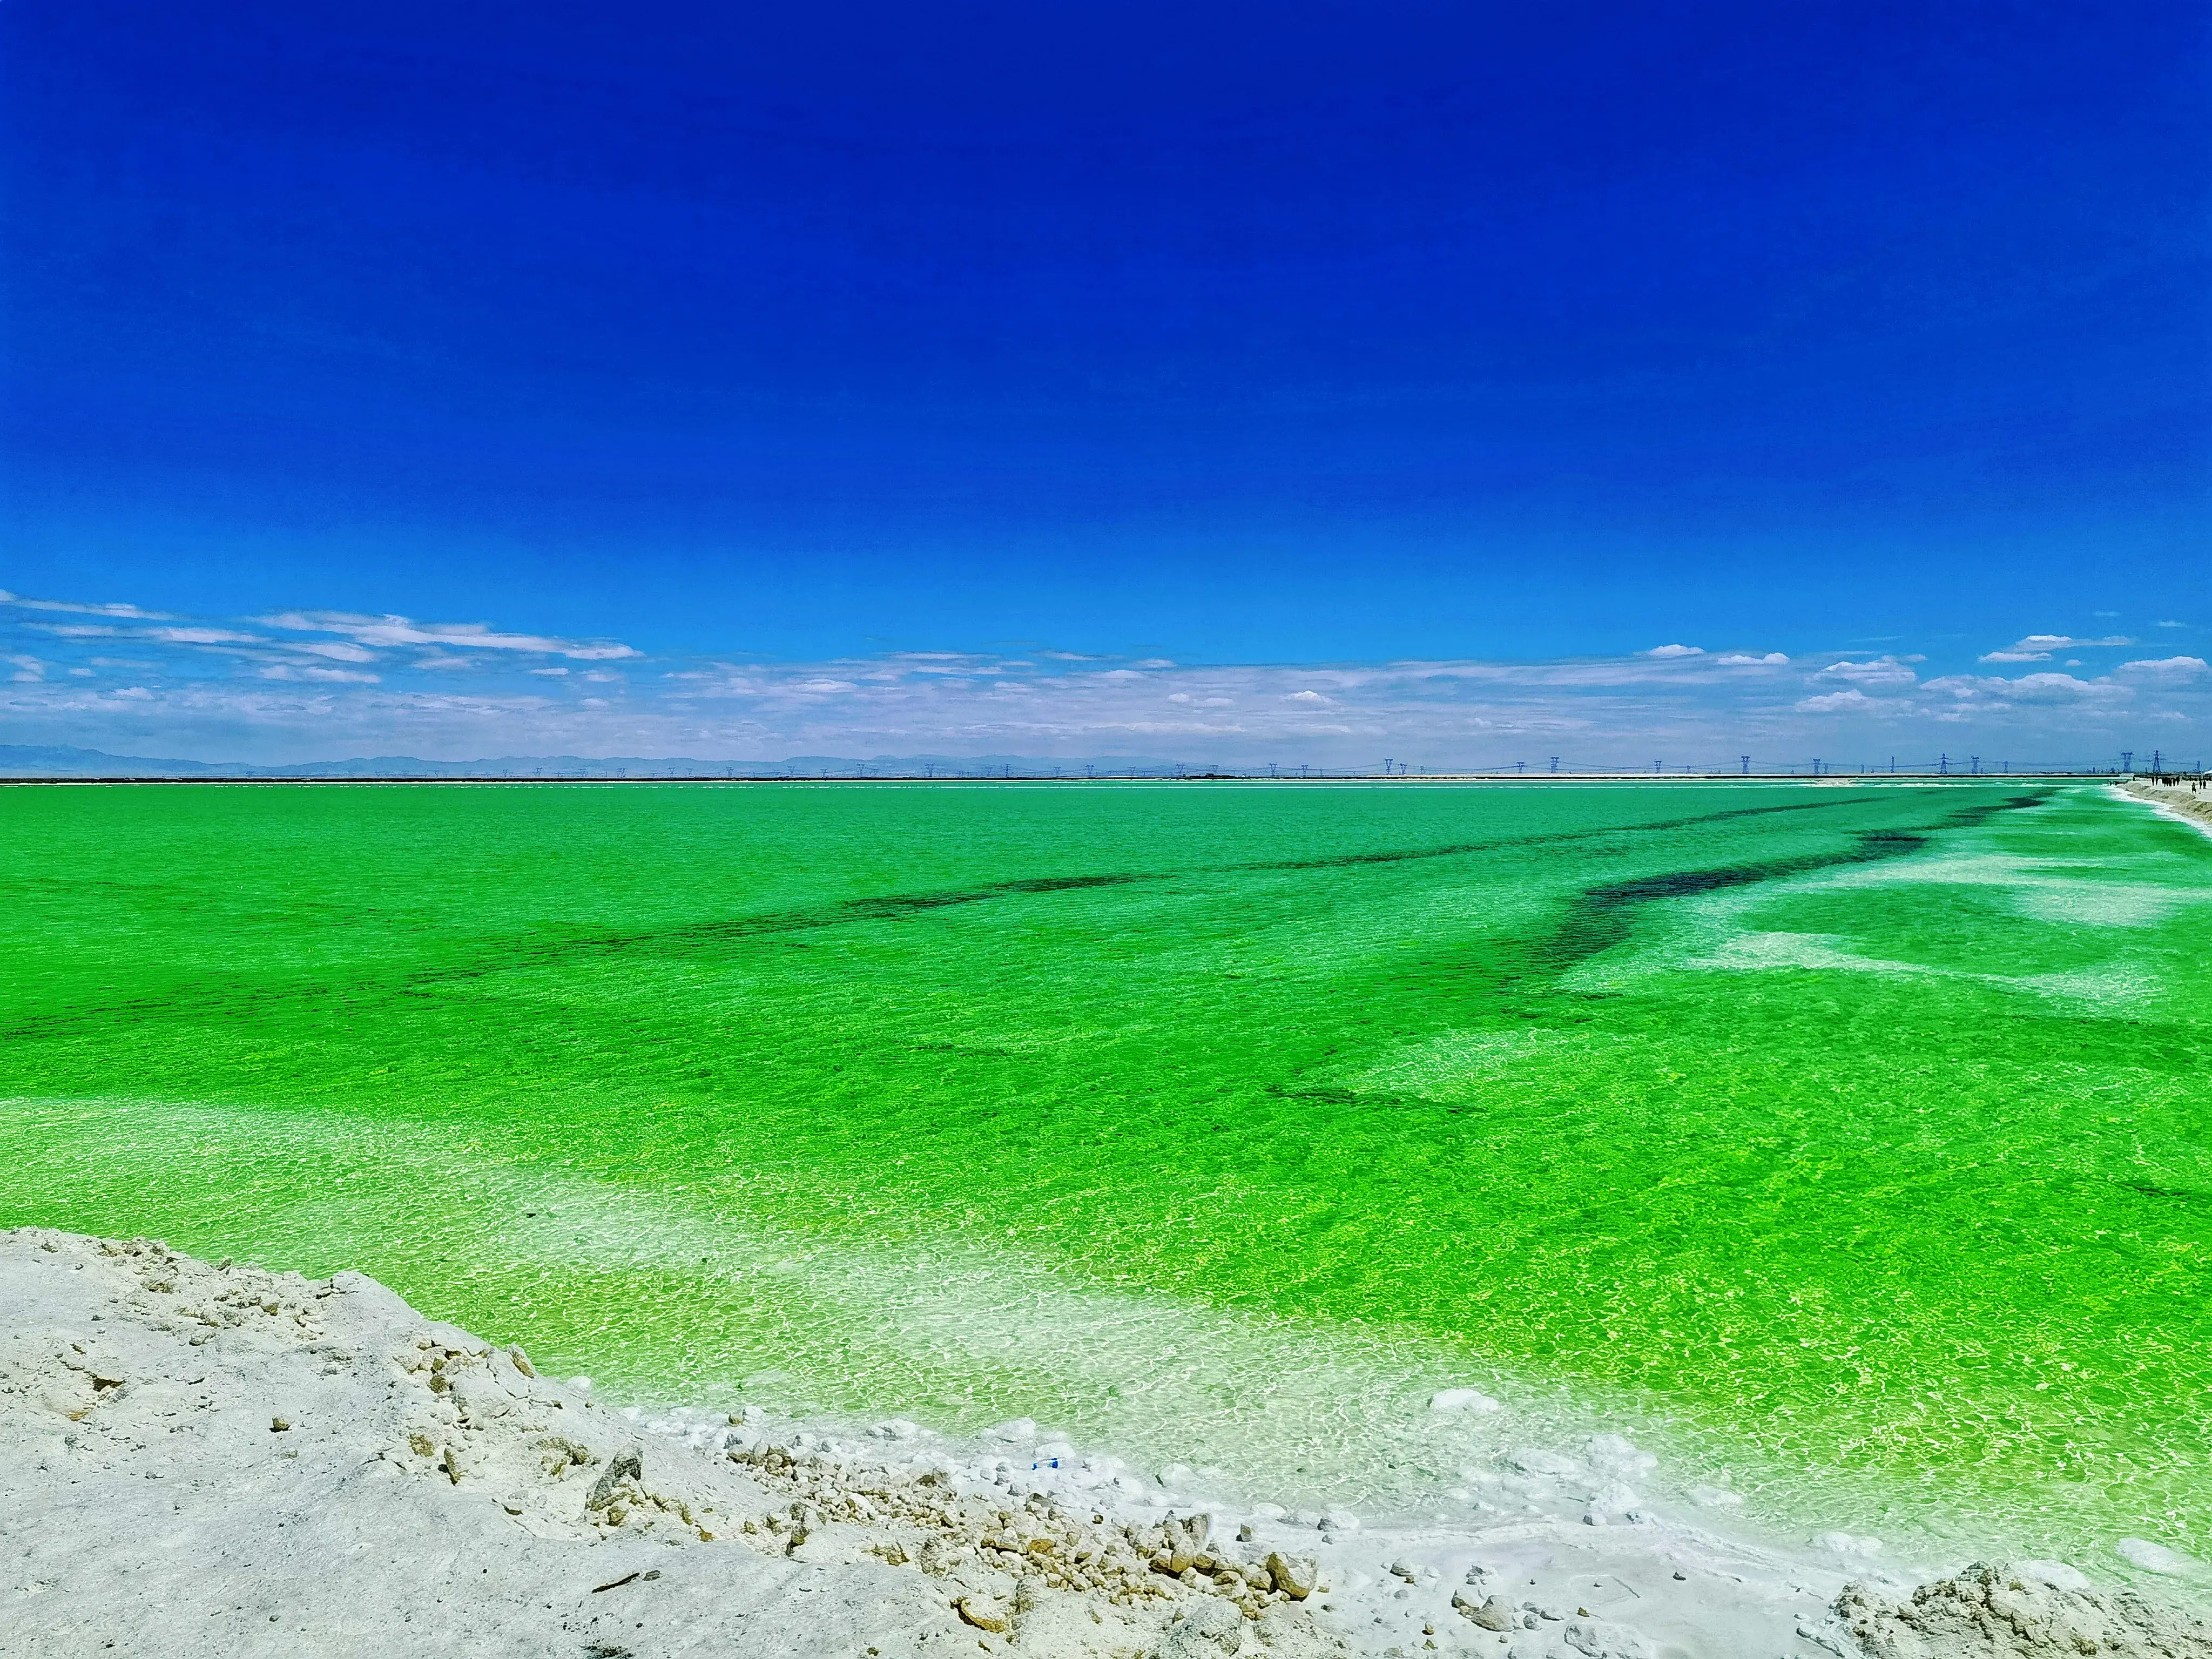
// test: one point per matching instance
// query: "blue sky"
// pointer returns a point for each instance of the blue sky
(1022, 370)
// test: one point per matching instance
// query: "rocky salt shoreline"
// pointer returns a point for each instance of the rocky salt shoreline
(211, 1459)
(2180, 799)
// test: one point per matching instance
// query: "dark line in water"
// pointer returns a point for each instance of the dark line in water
(523, 954)
(1458, 848)
(1601, 917)
(2147, 1190)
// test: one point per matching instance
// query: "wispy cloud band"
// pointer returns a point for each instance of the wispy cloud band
(308, 683)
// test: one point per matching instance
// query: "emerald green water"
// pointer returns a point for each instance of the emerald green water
(1853, 1141)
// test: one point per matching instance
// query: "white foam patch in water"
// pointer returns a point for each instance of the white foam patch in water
(2110, 892)
(1455, 1065)
(1754, 952)
(2104, 904)
(2114, 986)
(2107, 986)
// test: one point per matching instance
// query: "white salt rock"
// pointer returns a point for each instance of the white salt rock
(1613, 1499)
(1845, 1543)
(2056, 1574)
(1619, 1452)
(1462, 1400)
(1715, 1498)
(1600, 1638)
(1533, 1461)
(1021, 1428)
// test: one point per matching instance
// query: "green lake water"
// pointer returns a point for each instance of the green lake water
(1851, 1146)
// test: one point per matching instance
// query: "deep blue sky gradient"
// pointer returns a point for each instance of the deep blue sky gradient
(1236, 333)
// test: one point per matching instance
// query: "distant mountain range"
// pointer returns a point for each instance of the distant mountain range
(54, 761)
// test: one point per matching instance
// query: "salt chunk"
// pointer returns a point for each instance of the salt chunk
(1462, 1400)
(1613, 1499)
(1845, 1543)
(1533, 1461)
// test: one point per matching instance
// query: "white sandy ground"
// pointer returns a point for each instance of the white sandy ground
(199, 1461)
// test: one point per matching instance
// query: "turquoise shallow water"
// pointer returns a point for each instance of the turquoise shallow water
(1847, 1141)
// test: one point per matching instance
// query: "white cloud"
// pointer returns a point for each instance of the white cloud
(286, 671)
(336, 650)
(81, 608)
(2049, 688)
(403, 630)
(308, 683)
(2173, 624)
(1852, 702)
(199, 636)
(1880, 671)
(2050, 642)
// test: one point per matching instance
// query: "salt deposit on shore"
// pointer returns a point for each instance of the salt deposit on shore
(214, 1460)
(2175, 799)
